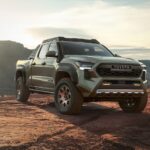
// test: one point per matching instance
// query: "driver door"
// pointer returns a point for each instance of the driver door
(40, 70)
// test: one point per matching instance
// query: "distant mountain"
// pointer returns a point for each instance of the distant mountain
(10, 52)
(135, 53)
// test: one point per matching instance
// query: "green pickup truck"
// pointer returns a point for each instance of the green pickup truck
(81, 70)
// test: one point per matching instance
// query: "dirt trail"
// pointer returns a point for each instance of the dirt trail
(37, 125)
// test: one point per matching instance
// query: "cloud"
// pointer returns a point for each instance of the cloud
(47, 32)
(114, 23)
(110, 24)
(135, 3)
(38, 34)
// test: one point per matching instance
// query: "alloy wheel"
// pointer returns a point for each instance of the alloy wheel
(64, 96)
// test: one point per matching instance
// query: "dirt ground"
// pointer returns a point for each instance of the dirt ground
(37, 125)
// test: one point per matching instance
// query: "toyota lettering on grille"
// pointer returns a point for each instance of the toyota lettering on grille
(121, 68)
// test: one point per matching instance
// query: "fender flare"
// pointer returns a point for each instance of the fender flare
(69, 69)
(20, 70)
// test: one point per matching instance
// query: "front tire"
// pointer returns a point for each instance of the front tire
(22, 92)
(68, 100)
(134, 105)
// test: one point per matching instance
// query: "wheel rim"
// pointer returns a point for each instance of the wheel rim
(64, 96)
(130, 103)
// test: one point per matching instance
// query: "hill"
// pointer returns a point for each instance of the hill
(10, 52)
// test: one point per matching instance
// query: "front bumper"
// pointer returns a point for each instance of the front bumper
(93, 85)
(115, 94)
(119, 87)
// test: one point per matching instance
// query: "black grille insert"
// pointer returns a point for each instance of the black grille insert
(119, 70)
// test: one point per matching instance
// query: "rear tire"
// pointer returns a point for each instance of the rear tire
(68, 99)
(134, 105)
(22, 91)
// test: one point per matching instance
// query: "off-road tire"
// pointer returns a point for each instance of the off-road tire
(22, 91)
(137, 105)
(66, 89)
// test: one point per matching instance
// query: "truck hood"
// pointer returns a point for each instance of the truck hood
(99, 59)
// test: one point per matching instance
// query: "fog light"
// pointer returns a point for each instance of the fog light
(137, 84)
(106, 83)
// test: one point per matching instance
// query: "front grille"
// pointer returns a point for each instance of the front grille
(119, 70)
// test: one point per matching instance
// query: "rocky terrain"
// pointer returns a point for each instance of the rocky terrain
(38, 126)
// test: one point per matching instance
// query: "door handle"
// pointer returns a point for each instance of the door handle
(43, 63)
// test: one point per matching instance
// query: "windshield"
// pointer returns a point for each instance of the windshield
(82, 48)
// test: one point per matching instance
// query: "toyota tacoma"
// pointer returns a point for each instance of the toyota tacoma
(81, 70)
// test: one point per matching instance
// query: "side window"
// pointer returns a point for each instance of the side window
(53, 47)
(43, 51)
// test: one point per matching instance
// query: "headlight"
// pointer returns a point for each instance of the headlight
(84, 65)
(143, 65)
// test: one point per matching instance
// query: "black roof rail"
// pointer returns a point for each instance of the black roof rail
(72, 39)
(48, 40)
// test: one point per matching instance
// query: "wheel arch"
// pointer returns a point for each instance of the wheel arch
(66, 71)
(20, 72)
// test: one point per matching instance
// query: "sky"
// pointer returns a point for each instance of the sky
(118, 24)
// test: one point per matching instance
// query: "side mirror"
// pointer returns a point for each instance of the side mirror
(116, 55)
(51, 54)
(30, 58)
